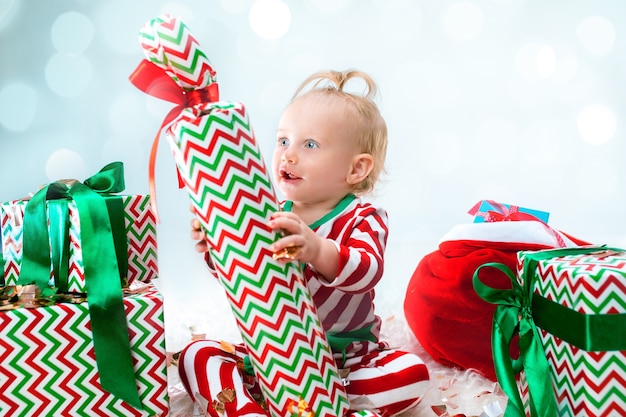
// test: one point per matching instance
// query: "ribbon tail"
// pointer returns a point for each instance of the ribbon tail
(104, 291)
(505, 326)
(36, 247)
(537, 369)
(152, 163)
(58, 214)
(151, 177)
(503, 329)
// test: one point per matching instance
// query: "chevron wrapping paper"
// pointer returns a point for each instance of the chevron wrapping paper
(140, 232)
(227, 181)
(586, 383)
(48, 367)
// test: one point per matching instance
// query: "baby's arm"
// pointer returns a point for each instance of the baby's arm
(361, 252)
(313, 249)
(352, 260)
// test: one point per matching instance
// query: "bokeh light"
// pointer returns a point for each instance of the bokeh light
(566, 65)
(463, 21)
(270, 19)
(72, 33)
(526, 59)
(596, 124)
(546, 61)
(597, 35)
(18, 106)
(117, 24)
(121, 118)
(65, 164)
(68, 75)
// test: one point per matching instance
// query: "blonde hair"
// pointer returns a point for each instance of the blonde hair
(371, 129)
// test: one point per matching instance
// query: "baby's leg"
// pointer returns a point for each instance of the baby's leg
(387, 381)
(363, 413)
(213, 379)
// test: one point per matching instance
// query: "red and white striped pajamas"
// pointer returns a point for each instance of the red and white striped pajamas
(382, 380)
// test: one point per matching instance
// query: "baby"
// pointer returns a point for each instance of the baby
(330, 150)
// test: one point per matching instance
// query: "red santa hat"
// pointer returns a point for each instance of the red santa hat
(441, 307)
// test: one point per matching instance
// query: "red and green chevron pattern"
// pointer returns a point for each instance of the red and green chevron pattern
(48, 367)
(227, 181)
(11, 217)
(586, 383)
(142, 238)
(167, 42)
(140, 232)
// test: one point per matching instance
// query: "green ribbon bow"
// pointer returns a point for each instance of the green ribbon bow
(101, 218)
(520, 311)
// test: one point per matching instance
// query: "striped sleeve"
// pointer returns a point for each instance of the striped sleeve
(360, 235)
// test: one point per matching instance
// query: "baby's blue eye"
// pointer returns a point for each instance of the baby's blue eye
(311, 144)
(283, 142)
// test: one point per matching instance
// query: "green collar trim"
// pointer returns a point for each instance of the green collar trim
(345, 202)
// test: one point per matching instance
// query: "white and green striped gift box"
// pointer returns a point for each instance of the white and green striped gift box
(48, 366)
(141, 237)
(568, 307)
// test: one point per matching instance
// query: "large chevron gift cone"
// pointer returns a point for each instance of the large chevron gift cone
(48, 365)
(226, 178)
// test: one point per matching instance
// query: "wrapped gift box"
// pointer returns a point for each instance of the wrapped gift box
(48, 367)
(221, 165)
(141, 241)
(490, 211)
(587, 380)
(569, 308)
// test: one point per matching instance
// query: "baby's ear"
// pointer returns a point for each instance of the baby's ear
(361, 167)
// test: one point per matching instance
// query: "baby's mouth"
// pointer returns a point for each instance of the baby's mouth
(288, 175)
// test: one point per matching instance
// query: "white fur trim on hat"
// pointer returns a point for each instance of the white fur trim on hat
(511, 232)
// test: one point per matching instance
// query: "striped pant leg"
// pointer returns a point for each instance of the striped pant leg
(363, 413)
(206, 371)
(388, 382)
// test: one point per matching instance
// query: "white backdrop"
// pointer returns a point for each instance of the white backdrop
(517, 101)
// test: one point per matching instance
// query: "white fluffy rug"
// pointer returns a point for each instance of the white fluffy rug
(451, 393)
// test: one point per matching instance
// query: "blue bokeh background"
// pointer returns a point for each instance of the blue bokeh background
(520, 101)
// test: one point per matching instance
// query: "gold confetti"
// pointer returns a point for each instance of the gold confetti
(302, 409)
(227, 347)
(289, 252)
(218, 407)
(227, 395)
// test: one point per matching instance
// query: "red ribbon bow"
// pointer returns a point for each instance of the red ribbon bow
(503, 213)
(153, 80)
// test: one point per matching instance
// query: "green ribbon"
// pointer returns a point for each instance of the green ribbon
(59, 223)
(520, 311)
(101, 267)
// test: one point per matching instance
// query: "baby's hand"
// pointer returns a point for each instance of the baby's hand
(197, 234)
(299, 242)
